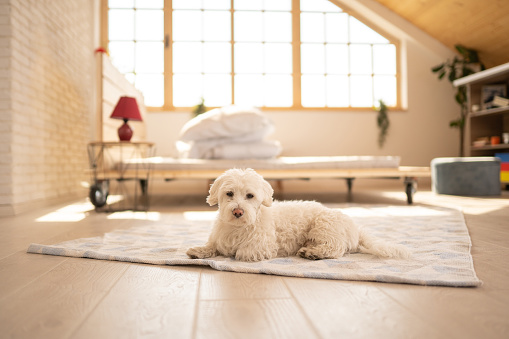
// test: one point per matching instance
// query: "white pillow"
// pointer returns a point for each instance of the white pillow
(225, 122)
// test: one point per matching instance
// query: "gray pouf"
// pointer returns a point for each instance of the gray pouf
(477, 176)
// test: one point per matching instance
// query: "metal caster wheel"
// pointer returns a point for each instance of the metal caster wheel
(98, 195)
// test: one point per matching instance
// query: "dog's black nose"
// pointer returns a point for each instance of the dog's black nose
(238, 212)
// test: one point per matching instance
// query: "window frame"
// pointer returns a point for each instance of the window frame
(296, 59)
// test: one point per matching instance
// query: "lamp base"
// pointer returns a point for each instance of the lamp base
(125, 133)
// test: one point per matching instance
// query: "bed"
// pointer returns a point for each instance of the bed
(348, 168)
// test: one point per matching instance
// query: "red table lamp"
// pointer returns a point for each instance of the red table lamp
(126, 109)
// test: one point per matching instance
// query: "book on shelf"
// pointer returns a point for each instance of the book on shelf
(499, 101)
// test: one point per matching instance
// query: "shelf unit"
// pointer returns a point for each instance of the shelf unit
(487, 122)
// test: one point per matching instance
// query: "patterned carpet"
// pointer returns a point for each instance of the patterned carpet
(437, 237)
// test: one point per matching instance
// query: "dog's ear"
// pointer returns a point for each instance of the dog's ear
(267, 194)
(212, 199)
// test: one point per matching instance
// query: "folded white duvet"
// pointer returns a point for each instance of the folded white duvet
(230, 132)
(229, 149)
(227, 122)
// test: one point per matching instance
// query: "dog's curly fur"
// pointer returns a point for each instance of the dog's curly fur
(251, 227)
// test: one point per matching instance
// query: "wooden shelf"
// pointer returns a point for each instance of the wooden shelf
(490, 147)
(491, 111)
(487, 122)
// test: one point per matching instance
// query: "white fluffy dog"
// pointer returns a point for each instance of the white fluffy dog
(251, 227)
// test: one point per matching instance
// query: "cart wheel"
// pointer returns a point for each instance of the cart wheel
(410, 190)
(97, 195)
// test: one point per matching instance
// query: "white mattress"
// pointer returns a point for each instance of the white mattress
(319, 162)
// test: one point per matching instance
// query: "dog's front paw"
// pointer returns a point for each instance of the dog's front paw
(201, 252)
(315, 253)
(307, 254)
(251, 255)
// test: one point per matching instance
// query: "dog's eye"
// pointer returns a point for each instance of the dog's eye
(249, 196)
(230, 194)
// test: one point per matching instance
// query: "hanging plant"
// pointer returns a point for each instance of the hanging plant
(382, 120)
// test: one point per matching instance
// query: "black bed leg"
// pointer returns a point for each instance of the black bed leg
(410, 189)
(349, 183)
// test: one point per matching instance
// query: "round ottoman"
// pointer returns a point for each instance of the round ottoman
(479, 176)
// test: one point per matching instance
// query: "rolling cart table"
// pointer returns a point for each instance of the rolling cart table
(108, 163)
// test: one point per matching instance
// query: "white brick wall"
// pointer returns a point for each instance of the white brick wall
(46, 99)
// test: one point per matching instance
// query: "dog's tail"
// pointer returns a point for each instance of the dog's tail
(371, 245)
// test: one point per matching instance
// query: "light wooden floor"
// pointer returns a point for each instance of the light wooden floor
(58, 297)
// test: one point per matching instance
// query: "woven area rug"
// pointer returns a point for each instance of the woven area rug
(437, 237)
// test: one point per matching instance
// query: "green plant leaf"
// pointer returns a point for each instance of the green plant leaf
(438, 68)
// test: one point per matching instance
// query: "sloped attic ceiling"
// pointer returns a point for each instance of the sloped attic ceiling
(482, 25)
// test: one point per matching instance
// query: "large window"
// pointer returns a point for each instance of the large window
(266, 53)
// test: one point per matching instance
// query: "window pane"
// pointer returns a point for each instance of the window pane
(336, 59)
(361, 91)
(149, 57)
(384, 59)
(278, 27)
(216, 4)
(121, 3)
(248, 58)
(217, 57)
(156, 4)
(187, 57)
(312, 58)
(248, 26)
(360, 59)
(187, 90)
(278, 90)
(318, 5)
(217, 26)
(121, 24)
(186, 4)
(312, 27)
(187, 25)
(385, 89)
(149, 25)
(122, 55)
(249, 89)
(248, 4)
(278, 58)
(152, 86)
(337, 91)
(217, 90)
(278, 5)
(360, 33)
(336, 27)
(313, 91)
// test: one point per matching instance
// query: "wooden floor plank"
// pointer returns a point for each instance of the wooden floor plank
(262, 318)
(340, 309)
(147, 301)
(57, 303)
(21, 268)
(461, 312)
(218, 285)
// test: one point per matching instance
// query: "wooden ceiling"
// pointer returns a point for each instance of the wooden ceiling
(482, 25)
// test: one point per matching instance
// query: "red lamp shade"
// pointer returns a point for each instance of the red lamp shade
(126, 109)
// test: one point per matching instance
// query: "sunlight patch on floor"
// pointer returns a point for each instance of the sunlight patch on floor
(71, 213)
(137, 215)
(200, 215)
(399, 211)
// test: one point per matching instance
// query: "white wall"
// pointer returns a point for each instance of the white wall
(417, 134)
